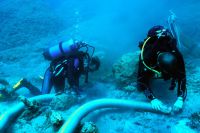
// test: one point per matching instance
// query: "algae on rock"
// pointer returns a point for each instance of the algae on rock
(125, 69)
(63, 101)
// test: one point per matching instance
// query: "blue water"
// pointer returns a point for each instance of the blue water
(115, 28)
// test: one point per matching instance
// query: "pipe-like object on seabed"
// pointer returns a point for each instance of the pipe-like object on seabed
(9, 116)
(72, 122)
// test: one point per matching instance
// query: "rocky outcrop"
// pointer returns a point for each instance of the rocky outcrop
(63, 101)
(195, 121)
(89, 127)
(125, 69)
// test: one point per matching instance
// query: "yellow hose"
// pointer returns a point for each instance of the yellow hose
(142, 58)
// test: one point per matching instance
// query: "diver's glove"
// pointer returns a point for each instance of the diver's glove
(156, 104)
(178, 105)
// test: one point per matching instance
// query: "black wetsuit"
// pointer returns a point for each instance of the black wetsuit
(69, 68)
(153, 47)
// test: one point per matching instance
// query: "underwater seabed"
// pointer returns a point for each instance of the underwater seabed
(16, 62)
(102, 86)
(111, 120)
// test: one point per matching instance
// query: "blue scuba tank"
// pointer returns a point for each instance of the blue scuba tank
(66, 48)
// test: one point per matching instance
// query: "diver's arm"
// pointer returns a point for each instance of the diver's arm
(181, 74)
(182, 90)
(73, 81)
(143, 81)
(142, 84)
(47, 82)
(149, 94)
(74, 84)
(181, 77)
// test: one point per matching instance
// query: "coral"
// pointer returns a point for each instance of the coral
(33, 109)
(54, 118)
(63, 101)
(32, 105)
(130, 88)
(195, 121)
(125, 69)
(2, 87)
(89, 127)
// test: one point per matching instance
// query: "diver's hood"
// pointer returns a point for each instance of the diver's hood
(94, 64)
(159, 32)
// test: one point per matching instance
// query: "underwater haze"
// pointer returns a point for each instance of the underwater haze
(114, 28)
(114, 23)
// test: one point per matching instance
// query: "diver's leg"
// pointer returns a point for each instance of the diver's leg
(73, 77)
(25, 83)
(47, 82)
(33, 89)
(140, 76)
(59, 83)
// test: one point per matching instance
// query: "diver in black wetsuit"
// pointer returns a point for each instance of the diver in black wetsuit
(68, 62)
(160, 58)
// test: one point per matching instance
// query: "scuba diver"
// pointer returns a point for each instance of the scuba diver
(160, 58)
(69, 60)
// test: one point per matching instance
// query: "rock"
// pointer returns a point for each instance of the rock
(130, 88)
(63, 101)
(195, 121)
(181, 127)
(125, 69)
(55, 119)
(31, 105)
(4, 82)
(89, 127)
(33, 109)
(2, 87)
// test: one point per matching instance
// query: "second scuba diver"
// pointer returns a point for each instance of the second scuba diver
(160, 57)
(69, 60)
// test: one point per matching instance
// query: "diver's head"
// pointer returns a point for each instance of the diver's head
(158, 31)
(94, 64)
(167, 63)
